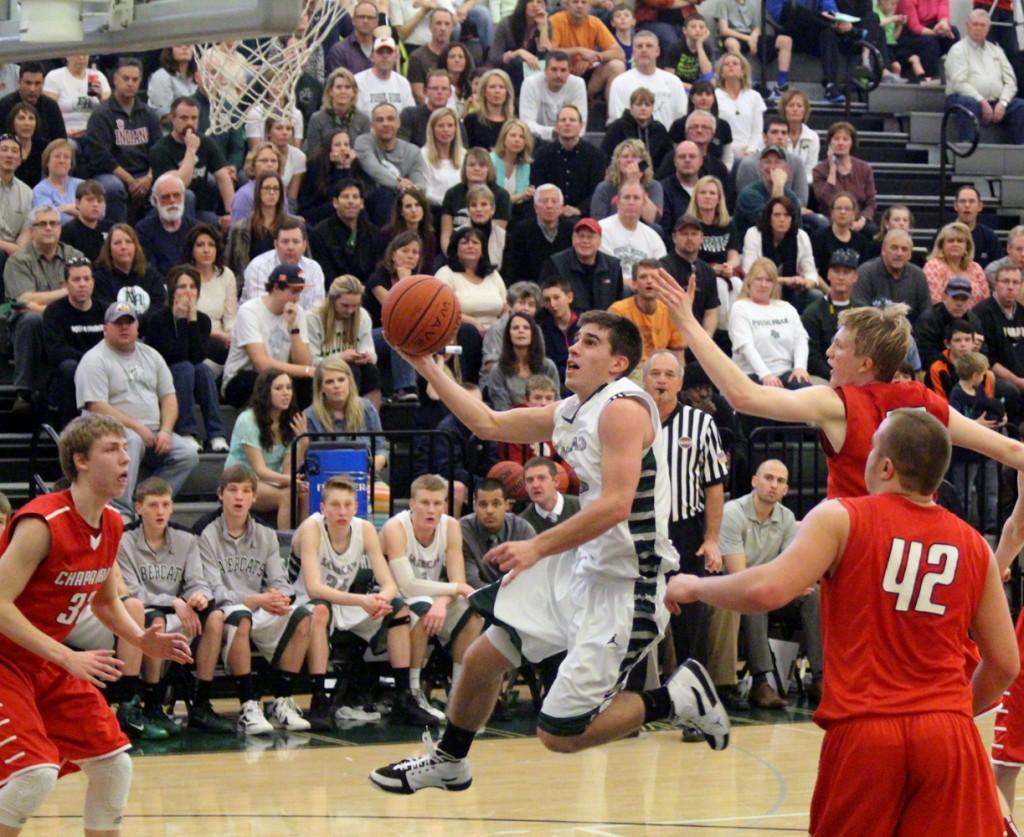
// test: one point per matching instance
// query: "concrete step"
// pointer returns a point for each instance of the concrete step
(926, 127)
(902, 98)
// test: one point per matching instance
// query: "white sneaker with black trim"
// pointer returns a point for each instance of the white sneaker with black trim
(285, 713)
(695, 703)
(355, 713)
(433, 770)
(251, 720)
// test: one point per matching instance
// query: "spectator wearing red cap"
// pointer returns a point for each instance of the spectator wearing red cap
(595, 276)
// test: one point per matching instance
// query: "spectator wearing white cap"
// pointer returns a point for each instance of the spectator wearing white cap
(381, 83)
(128, 380)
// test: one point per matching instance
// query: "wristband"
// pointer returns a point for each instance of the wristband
(294, 331)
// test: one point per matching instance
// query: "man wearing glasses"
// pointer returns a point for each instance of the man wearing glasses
(35, 276)
(353, 53)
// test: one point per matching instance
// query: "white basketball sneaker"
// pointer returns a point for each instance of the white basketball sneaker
(251, 720)
(285, 713)
(433, 770)
(695, 703)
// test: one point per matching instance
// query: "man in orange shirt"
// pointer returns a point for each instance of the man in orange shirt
(593, 51)
(648, 313)
(902, 582)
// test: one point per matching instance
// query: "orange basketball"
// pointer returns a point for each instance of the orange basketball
(561, 478)
(420, 315)
(510, 475)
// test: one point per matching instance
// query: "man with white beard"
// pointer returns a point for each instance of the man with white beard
(163, 233)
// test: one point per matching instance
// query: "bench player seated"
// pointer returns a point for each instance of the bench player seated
(421, 544)
(90, 634)
(242, 564)
(162, 568)
(328, 550)
(56, 557)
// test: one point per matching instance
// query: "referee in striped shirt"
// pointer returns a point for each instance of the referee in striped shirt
(697, 470)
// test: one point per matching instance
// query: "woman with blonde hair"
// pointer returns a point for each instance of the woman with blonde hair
(57, 188)
(720, 247)
(443, 154)
(494, 104)
(511, 158)
(953, 255)
(337, 406)
(804, 142)
(739, 104)
(263, 157)
(337, 110)
(769, 342)
(340, 326)
(631, 163)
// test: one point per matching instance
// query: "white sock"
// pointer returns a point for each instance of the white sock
(414, 679)
(456, 673)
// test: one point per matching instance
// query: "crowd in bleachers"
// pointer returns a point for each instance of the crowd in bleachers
(161, 273)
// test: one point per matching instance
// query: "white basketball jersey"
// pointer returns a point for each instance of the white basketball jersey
(427, 561)
(639, 547)
(337, 569)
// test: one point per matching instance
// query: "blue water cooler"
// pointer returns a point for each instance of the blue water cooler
(326, 460)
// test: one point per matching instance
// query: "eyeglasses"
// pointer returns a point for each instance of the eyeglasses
(46, 223)
(10, 138)
(78, 261)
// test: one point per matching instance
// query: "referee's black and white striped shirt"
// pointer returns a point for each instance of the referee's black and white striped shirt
(695, 459)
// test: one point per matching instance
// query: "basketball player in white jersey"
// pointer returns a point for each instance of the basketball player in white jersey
(421, 544)
(328, 551)
(592, 586)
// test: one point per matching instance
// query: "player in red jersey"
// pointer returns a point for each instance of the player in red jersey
(55, 558)
(865, 354)
(903, 581)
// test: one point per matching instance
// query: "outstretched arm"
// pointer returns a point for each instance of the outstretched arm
(965, 433)
(818, 405)
(524, 424)
(819, 542)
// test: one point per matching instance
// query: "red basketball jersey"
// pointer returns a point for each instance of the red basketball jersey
(895, 614)
(77, 565)
(866, 408)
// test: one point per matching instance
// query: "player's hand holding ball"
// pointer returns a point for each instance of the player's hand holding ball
(96, 667)
(420, 316)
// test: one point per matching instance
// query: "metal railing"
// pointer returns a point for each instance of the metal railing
(37, 483)
(402, 453)
(946, 148)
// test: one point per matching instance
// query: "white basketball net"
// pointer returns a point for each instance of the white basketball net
(256, 79)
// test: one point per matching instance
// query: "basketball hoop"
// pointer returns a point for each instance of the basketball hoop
(241, 76)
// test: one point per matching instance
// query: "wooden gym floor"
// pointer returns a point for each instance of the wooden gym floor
(651, 785)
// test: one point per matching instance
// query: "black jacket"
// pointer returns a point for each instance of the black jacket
(599, 293)
(178, 340)
(526, 249)
(330, 246)
(577, 173)
(654, 135)
(69, 333)
(930, 332)
(1004, 337)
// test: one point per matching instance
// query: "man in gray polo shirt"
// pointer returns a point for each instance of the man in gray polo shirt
(130, 381)
(35, 276)
(756, 528)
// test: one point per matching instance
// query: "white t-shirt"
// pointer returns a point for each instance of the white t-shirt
(630, 247)
(256, 324)
(767, 339)
(539, 107)
(401, 11)
(295, 164)
(745, 116)
(254, 124)
(72, 95)
(132, 382)
(257, 271)
(373, 90)
(668, 90)
(439, 179)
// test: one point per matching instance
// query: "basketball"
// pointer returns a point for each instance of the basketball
(510, 475)
(561, 478)
(420, 315)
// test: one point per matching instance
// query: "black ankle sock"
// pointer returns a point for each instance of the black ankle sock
(319, 685)
(402, 679)
(455, 742)
(152, 694)
(285, 686)
(657, 705)
(204, 689)
(131, 685)
(246, 688)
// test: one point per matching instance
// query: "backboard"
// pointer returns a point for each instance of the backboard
(135, 25)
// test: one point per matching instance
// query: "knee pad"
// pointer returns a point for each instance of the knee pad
(399, 621)
(107, 794)
(24, 792)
